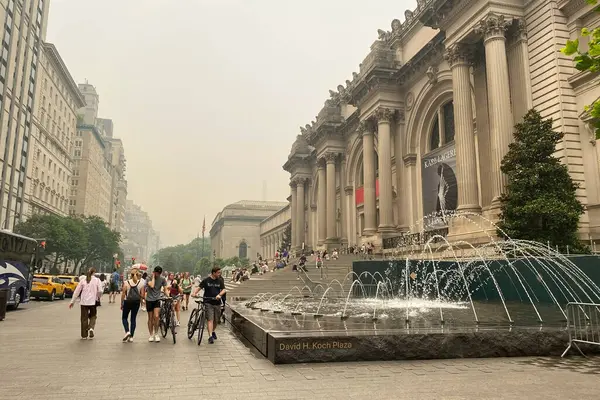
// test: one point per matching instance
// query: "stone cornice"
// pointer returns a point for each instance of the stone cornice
(437, 14)
(429, 54)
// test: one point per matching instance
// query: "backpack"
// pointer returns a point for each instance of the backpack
(133, 294)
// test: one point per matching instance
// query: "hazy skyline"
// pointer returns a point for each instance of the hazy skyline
(208, 96)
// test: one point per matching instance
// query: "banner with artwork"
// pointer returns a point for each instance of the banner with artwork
(440, 190)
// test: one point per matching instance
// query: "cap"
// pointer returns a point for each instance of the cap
(158, 269)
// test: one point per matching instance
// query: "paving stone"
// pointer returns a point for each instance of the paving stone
(44, 359)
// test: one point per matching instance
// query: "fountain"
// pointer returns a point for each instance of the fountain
(439, 299)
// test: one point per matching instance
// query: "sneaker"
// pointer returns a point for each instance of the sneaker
(91, 334)
(151, 339)
(157, 338)
(214, 335)
(127, 336)
(177, 323)
(84, 338)
(130, 340)
(211, 340)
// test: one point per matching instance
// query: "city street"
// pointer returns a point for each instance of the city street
(43, 358)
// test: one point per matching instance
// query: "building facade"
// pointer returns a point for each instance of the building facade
(236, 230)
(23, 33)
(88, 114)
(91, 185)
(421, 129)
(139, 238)
(50, 167)
(272, 231)
(116, 155)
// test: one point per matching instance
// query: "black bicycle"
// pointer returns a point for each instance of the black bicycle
(167, 320)
(197, 319)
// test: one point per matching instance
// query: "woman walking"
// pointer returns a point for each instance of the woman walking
(187, 289)
(131, 298)
(88, 291)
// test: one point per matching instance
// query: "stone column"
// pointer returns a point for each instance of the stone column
(384, 118)
(518, 70)
(493, 29)
(343, 205)
(293, 185)
(401, 185)
(330, 159)
(309, 217)
(322, 202)
(300, 221)
(459, 57)
(370, 199)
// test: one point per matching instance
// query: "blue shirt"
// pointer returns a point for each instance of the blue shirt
(114, 277)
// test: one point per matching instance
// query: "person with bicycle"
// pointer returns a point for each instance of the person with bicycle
(214, 289)
(156, 286)
(174, 288)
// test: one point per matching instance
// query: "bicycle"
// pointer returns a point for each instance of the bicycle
(197, 319)
(167, 318)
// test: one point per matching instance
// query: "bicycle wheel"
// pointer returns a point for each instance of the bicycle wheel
(192, 323)
(173, 326)
(164, 325)
(201, 323)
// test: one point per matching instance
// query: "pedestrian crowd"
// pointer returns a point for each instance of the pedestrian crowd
(140, 290)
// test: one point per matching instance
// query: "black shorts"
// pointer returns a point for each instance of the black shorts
(151, 305)
(113, 288)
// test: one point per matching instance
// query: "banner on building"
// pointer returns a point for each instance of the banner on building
(440, 190)
(360, 193)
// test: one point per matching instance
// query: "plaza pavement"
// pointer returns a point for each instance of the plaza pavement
(43, 358)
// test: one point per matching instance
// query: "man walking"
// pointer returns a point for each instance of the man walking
(214, 289)
(154, 287)
(114, 286)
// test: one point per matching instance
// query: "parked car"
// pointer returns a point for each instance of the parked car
(70, 283)
(47, 287)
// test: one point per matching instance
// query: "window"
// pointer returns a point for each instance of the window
(442, 131)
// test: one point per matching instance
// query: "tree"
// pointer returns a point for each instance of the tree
(588, 61)
(82, 240)
(183, 257)
(203, 267)
(286, 240)
(540, 202)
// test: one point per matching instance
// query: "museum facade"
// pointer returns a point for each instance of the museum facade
(421, 129)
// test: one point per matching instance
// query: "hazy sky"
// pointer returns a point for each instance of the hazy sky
(208, 95)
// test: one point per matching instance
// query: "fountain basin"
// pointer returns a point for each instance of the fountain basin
(287, 339)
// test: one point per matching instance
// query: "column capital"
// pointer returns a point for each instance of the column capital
(321, 163)
(459, 54)
(493, 26)
(400, 118)
(520, 33)
(330, 157)
(293, 183)
(301, 181)
(365, 128)
(384, 115)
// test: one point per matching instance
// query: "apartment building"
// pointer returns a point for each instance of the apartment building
(139, 238)
(116, 155)
(91, 183)
(23, 33)
(50, 167)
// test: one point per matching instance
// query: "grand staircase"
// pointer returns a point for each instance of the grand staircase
(283, 280)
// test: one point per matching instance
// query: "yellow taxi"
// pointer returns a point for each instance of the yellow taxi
(70, 283)
(47, 287)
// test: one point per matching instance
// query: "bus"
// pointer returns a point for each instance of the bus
(17, 266)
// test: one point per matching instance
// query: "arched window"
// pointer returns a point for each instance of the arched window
(442, 132)
(243, 250)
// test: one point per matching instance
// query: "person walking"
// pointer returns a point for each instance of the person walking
(187, 284)
(88, 291)
(114, 286)
(214, 289)
(131, 298)
(155, 287)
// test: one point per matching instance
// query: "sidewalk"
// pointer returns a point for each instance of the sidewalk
(43, 358)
